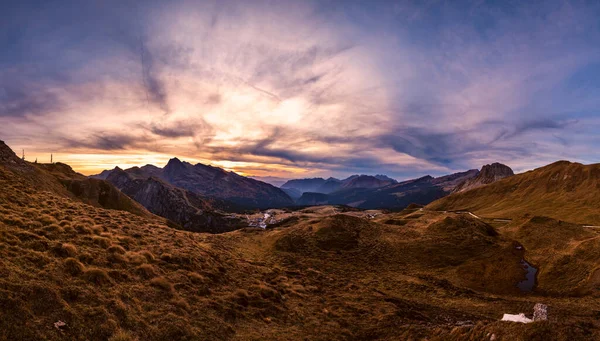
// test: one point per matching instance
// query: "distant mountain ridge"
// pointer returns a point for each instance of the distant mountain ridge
(330, 185)
(213, 182)
(380, 191)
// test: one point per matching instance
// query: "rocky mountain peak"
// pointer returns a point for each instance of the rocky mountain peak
(495, 172)
(488, 174)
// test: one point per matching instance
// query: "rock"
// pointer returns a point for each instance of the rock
(60, 325)
(540, 312)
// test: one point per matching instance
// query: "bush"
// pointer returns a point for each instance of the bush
(122, 335)
(135, 258)
(47, 219)
(103, 242)
(74, 267)
(145, 271)
(167, 257)
(162, 283)
(116, 249)
(97, 276)
(149, 256)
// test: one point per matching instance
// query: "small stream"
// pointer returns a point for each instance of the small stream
(528, 284)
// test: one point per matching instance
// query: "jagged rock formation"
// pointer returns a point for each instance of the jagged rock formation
(488, 174)
(183, 207)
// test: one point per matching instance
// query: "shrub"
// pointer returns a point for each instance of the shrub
(149, 256)
(103, 242)
(196, 278)
(86, 258)
(53, 228)
(181, 303)
(145, 271)
(167, 257)
(116, 258)
(162, 283)
(116, 249)
(97, 276)
(74, 267)
(47, 219)
(97, 229)
(135, 258)
(122, 335)
(82, 229)
(65, 250)
(13, 221)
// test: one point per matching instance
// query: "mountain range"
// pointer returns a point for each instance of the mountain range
(211, 182)
(330, 185)
(374, 192)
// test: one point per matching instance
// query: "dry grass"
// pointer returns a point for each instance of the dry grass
(562, 190)
(112, 275)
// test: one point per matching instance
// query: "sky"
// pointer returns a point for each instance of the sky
(296, 89)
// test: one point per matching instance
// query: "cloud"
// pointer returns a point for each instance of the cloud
(312, 87)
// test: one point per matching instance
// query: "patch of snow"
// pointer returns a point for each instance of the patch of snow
(521, 318)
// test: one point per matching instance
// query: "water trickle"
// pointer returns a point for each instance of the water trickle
(529, 282)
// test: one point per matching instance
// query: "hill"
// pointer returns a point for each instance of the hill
(91, 191)
(60, 178)
(562, 190)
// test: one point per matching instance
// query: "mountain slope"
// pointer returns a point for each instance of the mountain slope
(59, 178)
(185, 208)
(304, 185)
(312, 199)
(95, 192)
(562, 190)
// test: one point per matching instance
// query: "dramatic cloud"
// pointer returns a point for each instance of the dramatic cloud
(302, 88)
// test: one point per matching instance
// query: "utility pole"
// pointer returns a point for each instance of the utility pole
(51, 159)
(23, 157)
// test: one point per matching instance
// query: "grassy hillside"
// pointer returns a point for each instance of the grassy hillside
(562, 190)
(113, 275)
(96, 192)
